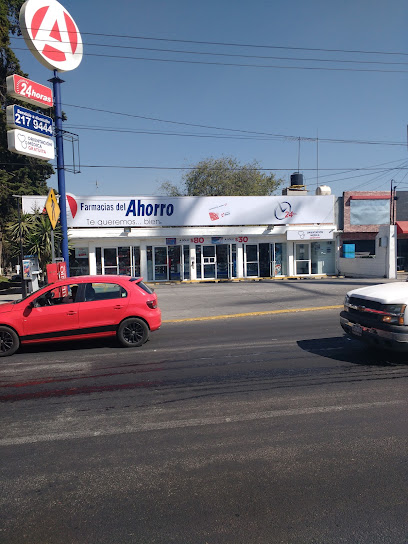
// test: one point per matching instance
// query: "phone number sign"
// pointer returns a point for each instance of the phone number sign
(18, 117)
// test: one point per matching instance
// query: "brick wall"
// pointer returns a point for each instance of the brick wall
(363, 229)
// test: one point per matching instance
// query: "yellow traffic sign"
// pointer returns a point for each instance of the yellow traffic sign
(52, 208)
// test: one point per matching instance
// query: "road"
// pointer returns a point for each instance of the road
(255, 430)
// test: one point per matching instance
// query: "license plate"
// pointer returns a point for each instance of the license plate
(357, 330)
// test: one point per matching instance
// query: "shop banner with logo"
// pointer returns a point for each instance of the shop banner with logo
(161, 211)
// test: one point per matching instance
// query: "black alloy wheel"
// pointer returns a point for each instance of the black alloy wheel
(133, 332)
(9, 341)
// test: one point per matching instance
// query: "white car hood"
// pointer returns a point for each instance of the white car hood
(386, 293)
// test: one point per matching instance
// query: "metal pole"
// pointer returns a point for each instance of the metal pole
(23, 283)
(56, 81)
(52, 246)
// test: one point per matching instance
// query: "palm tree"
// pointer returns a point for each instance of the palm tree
(36, 237)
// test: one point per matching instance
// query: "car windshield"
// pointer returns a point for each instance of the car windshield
(30, 294)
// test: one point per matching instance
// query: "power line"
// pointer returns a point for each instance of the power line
(243, 131)
(251, 45)
(242, 65)
(236, 55)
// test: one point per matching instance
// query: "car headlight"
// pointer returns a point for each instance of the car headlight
(394, 314)
(346, 302)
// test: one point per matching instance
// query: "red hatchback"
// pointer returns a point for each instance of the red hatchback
(79, 308)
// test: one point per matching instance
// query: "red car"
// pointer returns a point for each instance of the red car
(79, 308)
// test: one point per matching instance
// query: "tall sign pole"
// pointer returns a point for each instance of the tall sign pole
(54, 39)
(59, 139)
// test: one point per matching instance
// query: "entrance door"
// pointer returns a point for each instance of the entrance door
(174, 262)
(251, 260)
(167, 263)
(265, 260)
(222, 255)
(302, 258)
(110, 260)
(209, 260)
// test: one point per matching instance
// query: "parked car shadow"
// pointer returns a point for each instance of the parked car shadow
(342, 348)
(69, 346)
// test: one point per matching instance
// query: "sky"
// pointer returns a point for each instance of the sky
(318, 86)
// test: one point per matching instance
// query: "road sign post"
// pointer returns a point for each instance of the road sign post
(54, 39)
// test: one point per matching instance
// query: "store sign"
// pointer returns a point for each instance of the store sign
(110, 211)
(32, 145)
(121, 212)
(51, 34)
(18, 117)
(310, 234)
(29, 91)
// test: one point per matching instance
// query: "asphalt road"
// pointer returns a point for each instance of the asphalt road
(255, 430)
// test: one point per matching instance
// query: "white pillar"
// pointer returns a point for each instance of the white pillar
(193, 263)
(240, 261)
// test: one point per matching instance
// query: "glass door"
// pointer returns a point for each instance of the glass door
(110, 260)
(209, 259)
(174, 262)
(265, 260)
(124, 261)
(302, 258)
(232, 267)
(160, 263)
(251, 260)
(222, 255)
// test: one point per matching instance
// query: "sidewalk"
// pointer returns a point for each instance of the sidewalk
(195, 300)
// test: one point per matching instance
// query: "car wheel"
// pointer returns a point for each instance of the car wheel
(133, 332)
(9, 341)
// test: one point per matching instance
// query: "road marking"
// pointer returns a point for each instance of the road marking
(137, 427)
(250, 314)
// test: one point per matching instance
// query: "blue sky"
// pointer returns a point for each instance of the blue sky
(281, 103)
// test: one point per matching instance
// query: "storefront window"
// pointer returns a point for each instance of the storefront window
(98, 253)
(323, 260)
(198, 261)
(280, 260)
(149, 251)
(78, 264)
(124, 261)
(186, 256)
(136, 261)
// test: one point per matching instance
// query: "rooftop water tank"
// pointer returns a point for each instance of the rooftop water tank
(296, 179)
(323, 190)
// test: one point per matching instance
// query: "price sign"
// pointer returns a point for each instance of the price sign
(18, 117)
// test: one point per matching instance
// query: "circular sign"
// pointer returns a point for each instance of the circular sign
(51, 34)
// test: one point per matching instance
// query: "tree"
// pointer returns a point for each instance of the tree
(19, 174)
(36, 237)
(224, 177)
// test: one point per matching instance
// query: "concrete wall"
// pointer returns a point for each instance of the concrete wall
(383, 265)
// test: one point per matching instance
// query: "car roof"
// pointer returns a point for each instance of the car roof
(109, 278)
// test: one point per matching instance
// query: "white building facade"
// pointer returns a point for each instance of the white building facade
(201, 238)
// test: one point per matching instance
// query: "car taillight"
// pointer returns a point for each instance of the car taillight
(152, 304)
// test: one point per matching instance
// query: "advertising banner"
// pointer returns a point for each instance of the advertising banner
(161, 211)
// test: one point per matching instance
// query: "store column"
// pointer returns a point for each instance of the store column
(193, 263)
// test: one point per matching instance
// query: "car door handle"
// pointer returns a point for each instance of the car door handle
(72, 313)
(118, 307)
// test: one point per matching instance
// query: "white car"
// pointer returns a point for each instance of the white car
(378, 315)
